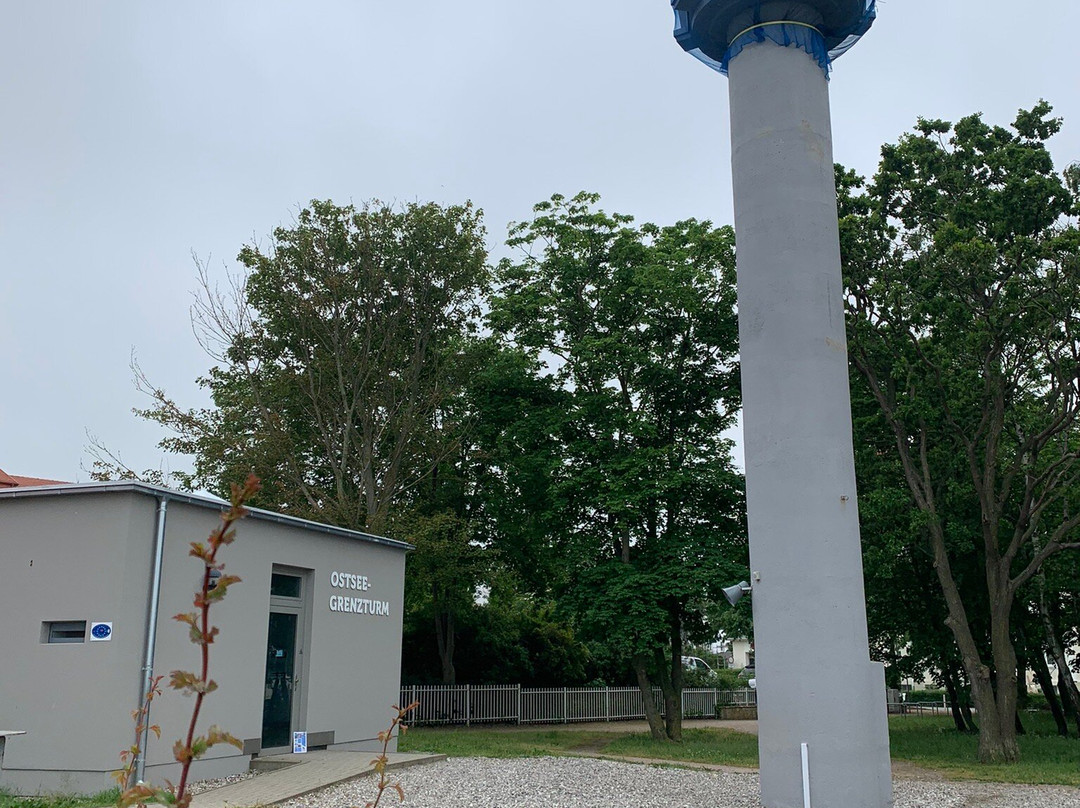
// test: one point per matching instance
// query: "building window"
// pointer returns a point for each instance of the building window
(284, 586)
(63, 631)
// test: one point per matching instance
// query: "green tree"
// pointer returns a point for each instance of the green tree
(632, 332)
(339, 356)
(963, 272)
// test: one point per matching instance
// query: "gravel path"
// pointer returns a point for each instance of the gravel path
(583, 783)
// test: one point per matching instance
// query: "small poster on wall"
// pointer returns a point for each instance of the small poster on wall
(299, 743)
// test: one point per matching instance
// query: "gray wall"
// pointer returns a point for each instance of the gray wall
(70, 558)
(92, 560)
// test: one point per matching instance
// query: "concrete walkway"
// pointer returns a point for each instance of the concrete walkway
(301, 774)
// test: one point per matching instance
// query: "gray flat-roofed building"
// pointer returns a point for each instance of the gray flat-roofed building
(310, 639)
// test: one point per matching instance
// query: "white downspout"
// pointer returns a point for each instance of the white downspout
(151, 636)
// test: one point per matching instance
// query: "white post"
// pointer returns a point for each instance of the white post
(806, 776)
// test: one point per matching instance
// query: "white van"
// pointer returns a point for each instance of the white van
(693, 663)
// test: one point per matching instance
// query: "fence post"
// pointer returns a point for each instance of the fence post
(468, 707)
(607, 703)
(566, 705)
(519, 703)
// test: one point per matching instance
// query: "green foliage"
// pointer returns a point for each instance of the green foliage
(442, 577)
(920, 696)
(962, 262)
(727, 679)
(511, 638)
(339, 355)
(626, 338)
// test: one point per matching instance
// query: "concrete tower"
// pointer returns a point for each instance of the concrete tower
(821, 701)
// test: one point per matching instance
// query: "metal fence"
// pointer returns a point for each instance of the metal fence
(514, 704)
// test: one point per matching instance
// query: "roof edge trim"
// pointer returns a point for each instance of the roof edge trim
(202, 501)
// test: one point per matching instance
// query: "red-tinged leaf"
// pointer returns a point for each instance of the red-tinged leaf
(156, 729)
(190, 618)
(384, 736)
(199, 550)
(138, 794)
(181, 754)
(400, 792)
(184, 680)
(215, 735)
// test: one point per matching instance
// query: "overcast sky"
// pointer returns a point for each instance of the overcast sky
(133, 134)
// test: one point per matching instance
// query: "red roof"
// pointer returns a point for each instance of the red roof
(15, 481)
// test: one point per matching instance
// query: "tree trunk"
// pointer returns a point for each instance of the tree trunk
(652, 715)
(1021, 685)
(1042, 676)
(965, 711)
(1070, 698)
(997, 738)
(954, 701)
(671, 683)
(1067, 707)
(997, 727)
(1022, 696)
(444, 637)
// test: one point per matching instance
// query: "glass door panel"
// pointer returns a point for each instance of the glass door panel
(280, 681)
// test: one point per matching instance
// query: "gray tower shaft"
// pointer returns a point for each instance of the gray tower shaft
(816, 683)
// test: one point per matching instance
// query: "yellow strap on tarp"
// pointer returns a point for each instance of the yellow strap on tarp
(775, 22)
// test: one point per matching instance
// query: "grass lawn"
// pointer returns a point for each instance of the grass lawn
(59, 801)
(929, 742)
(699, 745)
(933, 743)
